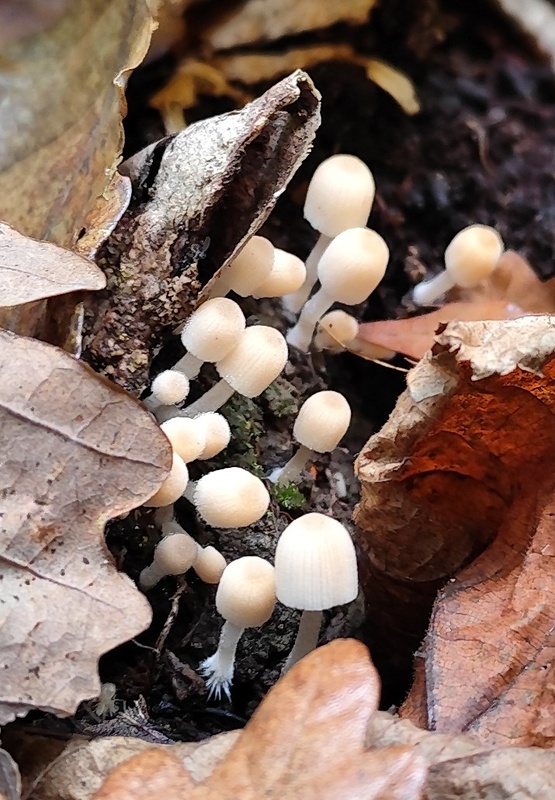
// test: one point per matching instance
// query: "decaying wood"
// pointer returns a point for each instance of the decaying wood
(197, 198)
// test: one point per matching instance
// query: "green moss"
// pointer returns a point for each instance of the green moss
(281, 398)
(289, 496)
(247, 426)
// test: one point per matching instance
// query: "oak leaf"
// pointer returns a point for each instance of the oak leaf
(459, 485)
(305, 741)
(75, 453)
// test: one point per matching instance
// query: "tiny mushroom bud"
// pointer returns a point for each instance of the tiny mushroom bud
(245, 598)
(470, 258)
(338, 331)
(186, 436)
(174, 555)
(216, 431)
(174, 485)
(321, 422)
(250, 267)
(287, 275)
(349, 271)
(210, 333)
(168, 388)
(256, 361)
(230, 498)
(340, 196)
(209, 564)
(316, 568)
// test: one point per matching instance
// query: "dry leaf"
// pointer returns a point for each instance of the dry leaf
(460, 475)
(154, 773)
(10, 782)
(76, 452)
(267, 20)
(22, 18)
(198, 197)
(305, 741)
(31, 270)
(61, 117)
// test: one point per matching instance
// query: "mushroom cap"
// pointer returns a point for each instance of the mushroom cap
(322, 421)
(230, 498)
(250, 267)
(340, 195)
(335, 329)
(288, 275)
(173, 486)
(175, 553)
(186, 436)
(246, 594)
(212, 331)
(315, 564)
(209, 564)
(170, 387)
(472, 255)
(352, 265)
(256, 361)
(216, 431)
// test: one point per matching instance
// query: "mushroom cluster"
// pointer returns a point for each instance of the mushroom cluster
(315, 564)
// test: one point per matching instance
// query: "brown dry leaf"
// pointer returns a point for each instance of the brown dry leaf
(198, 197)
(414, 336)
(268, 20)
(460, 482)
(75, 452)
(61, 126)
(10, 781)
(306, 741)
(31, 270)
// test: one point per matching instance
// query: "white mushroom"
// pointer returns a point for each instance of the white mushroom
(338, 331)
(340, 196)
(174, 555)
(321, 423)
(245, 598)
(210, 333)
(187, 437)
(349, 271)
(216, 431)
(250, 267)
(210, 564)
(256, 361)
(470, 258)
(168, 388)
(230, 498)
(173, 486)
(316, 569)
(287, 275)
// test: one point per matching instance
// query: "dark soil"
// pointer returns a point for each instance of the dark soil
(482, 150)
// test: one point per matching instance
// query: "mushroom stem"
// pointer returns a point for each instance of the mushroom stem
(189, 365)
(301, 334)
(211, 400)
(293, 468)
(296, 300)
(307, 638)
(425, 293)
(218, 669)
(150, 576)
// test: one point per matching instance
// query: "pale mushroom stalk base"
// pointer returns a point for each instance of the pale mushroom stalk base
(152, 403)
(189, 493)
(189, 365)
(211, 400)
(291, 471)
(296, 300)
(427, 292)
(301, 335)
(150, 576)
(218, 669)
(307, 638)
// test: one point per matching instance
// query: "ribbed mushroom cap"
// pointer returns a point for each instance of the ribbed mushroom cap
(472, 254)
(209, 564)
(287, 275)
(315, 564)
(251, 267)
(230, 498)
(340, 195)
(174, 485)
(217, 433)
(175, 553)
(212, 331)
(170, 387)
(322, 421)
(186, 436)
(246, 594)
(335, 328)
(353, 265)
(256, 361)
